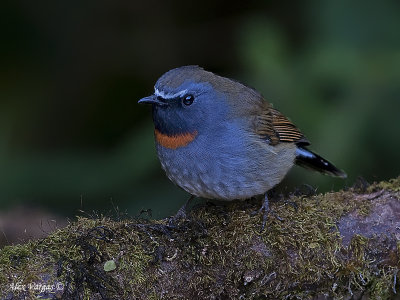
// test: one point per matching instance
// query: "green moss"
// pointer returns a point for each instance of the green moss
(219, 252)
(392, 184)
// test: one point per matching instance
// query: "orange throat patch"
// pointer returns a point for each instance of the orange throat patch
(174, 141)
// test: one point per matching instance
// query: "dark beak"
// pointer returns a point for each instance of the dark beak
(152, 100)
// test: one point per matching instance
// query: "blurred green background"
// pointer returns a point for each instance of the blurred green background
(72, 135)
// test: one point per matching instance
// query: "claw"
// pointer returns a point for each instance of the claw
(181, 213)
(265, 212)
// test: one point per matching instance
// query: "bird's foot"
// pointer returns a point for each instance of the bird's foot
(181, 214)
(265, 211)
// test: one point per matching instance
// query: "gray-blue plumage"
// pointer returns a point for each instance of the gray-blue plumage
(217, 138)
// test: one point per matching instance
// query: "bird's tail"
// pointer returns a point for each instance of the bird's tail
(313, 161)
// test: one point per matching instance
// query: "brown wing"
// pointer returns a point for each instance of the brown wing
(275, 127)
(286, 130)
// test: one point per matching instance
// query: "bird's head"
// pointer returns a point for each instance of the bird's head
(186, 100)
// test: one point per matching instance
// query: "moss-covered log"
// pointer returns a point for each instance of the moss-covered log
(339, 245)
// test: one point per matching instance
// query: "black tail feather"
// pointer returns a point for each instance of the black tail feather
(310, 160)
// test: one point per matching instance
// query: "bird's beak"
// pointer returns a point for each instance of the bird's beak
(151, 100)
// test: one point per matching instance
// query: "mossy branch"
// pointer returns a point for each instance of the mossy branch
(335, 245)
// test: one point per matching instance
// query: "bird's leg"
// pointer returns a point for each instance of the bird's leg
(266, 211)
(181, 213)
(265, 208)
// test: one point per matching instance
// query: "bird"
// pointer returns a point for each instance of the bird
(217, 138)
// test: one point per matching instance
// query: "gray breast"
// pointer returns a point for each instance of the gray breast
(228, 171)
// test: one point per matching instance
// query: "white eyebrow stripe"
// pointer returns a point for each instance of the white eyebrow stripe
(168, 96)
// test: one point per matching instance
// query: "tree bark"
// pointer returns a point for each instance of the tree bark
(338, 245)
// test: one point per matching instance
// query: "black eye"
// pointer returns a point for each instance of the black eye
(188, 99)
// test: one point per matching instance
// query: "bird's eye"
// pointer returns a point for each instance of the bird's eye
(188, 99)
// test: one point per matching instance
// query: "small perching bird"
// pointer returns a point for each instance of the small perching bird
(217, 138)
